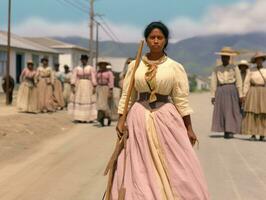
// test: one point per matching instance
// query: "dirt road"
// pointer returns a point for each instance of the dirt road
(69, 166)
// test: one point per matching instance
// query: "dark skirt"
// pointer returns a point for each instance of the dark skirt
(227, 115)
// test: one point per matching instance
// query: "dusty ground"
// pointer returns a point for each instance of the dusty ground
(69, 164)
(23, 132)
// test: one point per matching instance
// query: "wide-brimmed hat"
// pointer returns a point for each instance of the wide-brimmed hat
(258, 55)
(227, 51)
(84, 57)
(30, 62)
(243, 63)
(103, 62)
(44, 59)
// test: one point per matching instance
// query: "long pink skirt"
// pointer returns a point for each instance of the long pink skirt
(161, 163)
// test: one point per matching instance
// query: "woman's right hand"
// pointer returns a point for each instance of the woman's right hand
(120, 127)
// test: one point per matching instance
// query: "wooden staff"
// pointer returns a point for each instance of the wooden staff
(122, 141)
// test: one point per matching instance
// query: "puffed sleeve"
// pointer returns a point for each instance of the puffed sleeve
(52, 77)
(93, 76)
(239, 83)
(22, 75)
(180, 91)
(246, 83)
(126, 83)
(73, 78)
(214, 82)
(111, 80)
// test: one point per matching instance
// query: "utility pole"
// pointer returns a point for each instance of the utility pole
(91, 31)
(8, 55)
(97, 41)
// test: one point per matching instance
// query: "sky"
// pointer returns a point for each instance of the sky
(127, 18)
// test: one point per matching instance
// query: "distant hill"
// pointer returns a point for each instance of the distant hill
(196, 54)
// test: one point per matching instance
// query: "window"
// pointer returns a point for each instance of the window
(3, 60)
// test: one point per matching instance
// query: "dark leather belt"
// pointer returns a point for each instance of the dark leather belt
(257, 85)
(219, 85)
(160, 98)
(102, 84)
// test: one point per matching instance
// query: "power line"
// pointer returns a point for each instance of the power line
(73, 6)
(109, 28)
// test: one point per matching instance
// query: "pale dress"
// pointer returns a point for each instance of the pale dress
(254, 121)
(82, 105)
(58, 90)
(161, 163)
(27, 100)
(46, 99)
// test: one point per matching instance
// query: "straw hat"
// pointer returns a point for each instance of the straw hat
(30, 62)
(258, 55)
(243, 63)
(227, 51)
(103, 62)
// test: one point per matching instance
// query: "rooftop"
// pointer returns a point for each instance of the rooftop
(23, 43)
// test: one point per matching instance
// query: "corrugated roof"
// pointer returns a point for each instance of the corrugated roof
(56, 44)
(22, 43)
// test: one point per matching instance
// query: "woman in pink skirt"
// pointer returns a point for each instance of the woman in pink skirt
(161, 163)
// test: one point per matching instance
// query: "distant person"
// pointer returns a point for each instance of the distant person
(58, 88)
(254, 121)
(11, 87)
(83, 82)
(114, 99)
(243, 66)
(45, 75)
(104, 92)
(27, 99)
(123, 73)
(66, 87)
(160, 162)
(227, 95)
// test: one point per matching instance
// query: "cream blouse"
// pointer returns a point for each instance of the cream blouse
(254, 77)
(46, 72)
(224, 75)
(171, 79)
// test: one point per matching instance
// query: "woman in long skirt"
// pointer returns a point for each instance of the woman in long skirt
(227, 95)
(45, 75)
(160, 162)
(67, 86)
(104, 91)
(58, 88)
(27, 100)
(254, 122)
(83, 83)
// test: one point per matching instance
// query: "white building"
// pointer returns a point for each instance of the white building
(69, 53)
(22, 50)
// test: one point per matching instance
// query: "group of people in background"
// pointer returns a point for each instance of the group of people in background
(41, 89)
(85, 92)
(238, 94)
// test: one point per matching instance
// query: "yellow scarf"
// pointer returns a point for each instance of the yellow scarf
(150, 75)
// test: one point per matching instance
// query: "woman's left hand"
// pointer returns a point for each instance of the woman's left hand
(192, 137)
